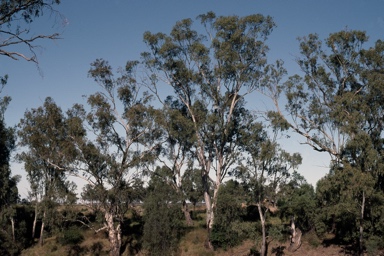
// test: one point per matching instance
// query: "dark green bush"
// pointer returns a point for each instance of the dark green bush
(71, 236)
(278, 233)
(373, 244)
(163, 221)
(227, 212)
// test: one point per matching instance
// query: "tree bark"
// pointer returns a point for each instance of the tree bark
(41, 239)
(114, 235)
(187, 215)
(295, 237)
(34, 223)
(361, 228)
(263, 249)
(209, 219)
(13, 229)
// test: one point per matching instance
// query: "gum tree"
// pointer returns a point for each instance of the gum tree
(176, 153)
(106, 146)
(337, 107)
(265, 169)
(8, 183)
(123, 141)
(43, 133)
(210, 75)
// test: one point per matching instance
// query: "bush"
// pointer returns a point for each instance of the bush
(373, 244)
(234, 234)
(221, 238)
(225, 232)
(278, 233)
(246, 229)
(313, 239)
(163, 221)
(71, 236)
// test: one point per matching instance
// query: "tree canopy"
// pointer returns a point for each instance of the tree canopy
(144, 156)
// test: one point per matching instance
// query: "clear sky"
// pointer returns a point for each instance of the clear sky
(113, 29)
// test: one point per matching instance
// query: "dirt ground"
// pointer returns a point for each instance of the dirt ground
(282, 249)
(307, 250)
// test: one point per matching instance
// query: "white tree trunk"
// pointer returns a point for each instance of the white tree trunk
(263, 249)
(214, 203)
(13, 229)
(34, 223)
(295, 237)
(209, 218)
(41, 239)
(114, 235)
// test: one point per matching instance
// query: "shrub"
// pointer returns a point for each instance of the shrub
(373, 244)
(71, 236)
(163, 222)
(228, 214)
(222, 238)
(278, 233)
(313, 239)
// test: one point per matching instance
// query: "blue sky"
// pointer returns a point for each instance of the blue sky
(113, 29)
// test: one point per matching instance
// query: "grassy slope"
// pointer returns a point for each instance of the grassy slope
(192, 244)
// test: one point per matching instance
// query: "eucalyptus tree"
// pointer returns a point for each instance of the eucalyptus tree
(298, 198)
(210, 75)
(337, 106)
(43, 134)
(7, 145)
(176, 154)
(193, 187)
(106, 147)
(264, 171)
(124, 140)
(8, 184)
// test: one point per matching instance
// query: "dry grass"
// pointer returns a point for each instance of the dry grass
(192, 244)
(94, 240)
(50, 248)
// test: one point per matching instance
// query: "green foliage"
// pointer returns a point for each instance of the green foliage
(298, 200)
(339, 198)
(228, 214)
(337, 106)
(312, 239)
(210, 75)
(278, 121)
(8, 184)
(71, 236)
(246, 229)
(373, 245)
(192, 186)
(22, 217)
(278, 233)
(8, 187)
(163, 219)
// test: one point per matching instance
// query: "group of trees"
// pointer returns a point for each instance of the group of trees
(16, 43)
(130, 143)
